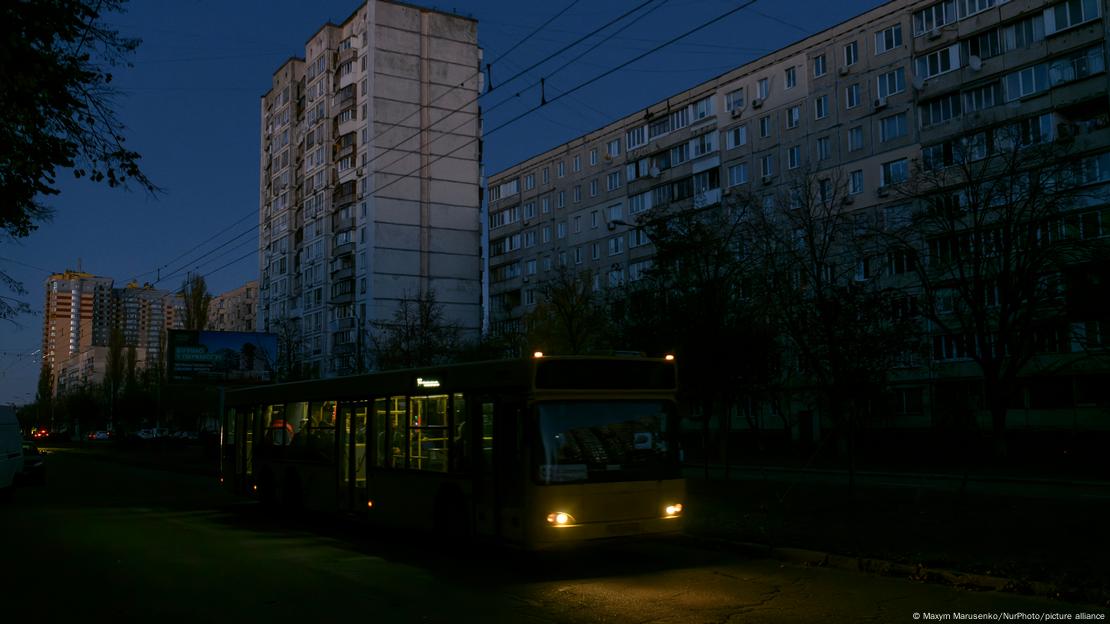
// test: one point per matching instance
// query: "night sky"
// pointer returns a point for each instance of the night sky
(191, 103)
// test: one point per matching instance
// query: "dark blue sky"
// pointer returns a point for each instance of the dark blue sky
(191, 108)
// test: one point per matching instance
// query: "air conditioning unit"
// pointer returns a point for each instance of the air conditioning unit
(735, 113)
(975, 63)
(883, 191)
(767, 179)
(880, 103)
(934, 34)
(360, 172)
(756, 103)
(844, 71)
(653, 172)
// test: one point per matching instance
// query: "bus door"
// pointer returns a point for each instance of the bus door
(499, 492)
(245, 468)
(351, 464)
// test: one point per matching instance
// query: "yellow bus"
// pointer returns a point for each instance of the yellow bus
(531, 452)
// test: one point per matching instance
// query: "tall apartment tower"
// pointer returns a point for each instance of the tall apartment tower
(76, 321)
(369, 190)
(80, 313)
(911, 81)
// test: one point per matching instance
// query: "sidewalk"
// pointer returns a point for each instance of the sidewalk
(1033, 536)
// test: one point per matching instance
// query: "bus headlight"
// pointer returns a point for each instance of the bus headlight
(560, 518)
(673, 510)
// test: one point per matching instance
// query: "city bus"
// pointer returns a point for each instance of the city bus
(532, 452)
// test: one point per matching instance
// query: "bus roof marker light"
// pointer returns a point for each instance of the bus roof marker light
(669, 357)
(538, 354)
(369, 504)
(427, 383)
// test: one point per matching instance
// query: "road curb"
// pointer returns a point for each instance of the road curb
(913, 572)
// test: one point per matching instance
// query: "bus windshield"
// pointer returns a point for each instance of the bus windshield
(584, 441)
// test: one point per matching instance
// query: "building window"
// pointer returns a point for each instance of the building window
(595, 251)
(855, 138)
(763, 88)
(823, 147)
(894, 172)
(791, 78)
(577, 163)
(546, 175)
(936, 63)
(767, 166)
(793, 157)
(616, 245)
(577, 194)
(851, 54)
(593, 156)
(635, 137)
(793, 116)
(1070, 13)
(888, 39)
(560, 169)
(547, 233)
(561, 201)
(933, 17)
(561, 230)
(734, 100)
(613, 148)
(892, 127)
(819, 68)
(530, 210)
(892, 82)
(593, 187)
(851, 96)
(855, 182)
(821, 107)
(703, 108)
(765, 126)
(529, 181)
(704, 144)
(940, 109)
(577, 224)
(545, 205)
(613, 181)
(738, 174)
(735, 137)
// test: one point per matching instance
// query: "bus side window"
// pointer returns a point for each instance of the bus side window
(460, 453)
(379, 428)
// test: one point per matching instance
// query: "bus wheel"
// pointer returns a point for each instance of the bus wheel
(452, 519)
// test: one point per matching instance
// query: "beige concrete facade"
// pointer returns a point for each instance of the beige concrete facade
(855, 102)
(235, 310)
(370, 179)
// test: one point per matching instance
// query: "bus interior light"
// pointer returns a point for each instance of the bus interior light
(369, 504)
(673, 510)
(254, 487)
(669, 357)
(538, 354)
(560, 518)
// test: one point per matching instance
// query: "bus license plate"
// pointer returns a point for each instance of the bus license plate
(624, 528)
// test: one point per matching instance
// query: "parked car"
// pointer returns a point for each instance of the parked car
(100, 435)
(34, 465)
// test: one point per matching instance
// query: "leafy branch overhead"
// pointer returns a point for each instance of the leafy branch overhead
(57, 103)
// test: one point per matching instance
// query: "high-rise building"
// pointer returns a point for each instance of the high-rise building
(234, 310)
(369, 190)
(81, 312)
(910, 85)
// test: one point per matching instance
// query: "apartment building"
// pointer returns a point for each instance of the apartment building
(369, 190)
(80, 314)
(868, 101)
(235, 310)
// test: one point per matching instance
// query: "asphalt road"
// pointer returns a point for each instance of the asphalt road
(103, 541)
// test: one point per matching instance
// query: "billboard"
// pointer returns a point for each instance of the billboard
(221, 357)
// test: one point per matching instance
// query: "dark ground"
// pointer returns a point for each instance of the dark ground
(1042, 533)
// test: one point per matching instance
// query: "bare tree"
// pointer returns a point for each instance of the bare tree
(417, 335)
(570, 317)
(839, 325)
(290, 349)
(195, 292)
(1001, 222)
